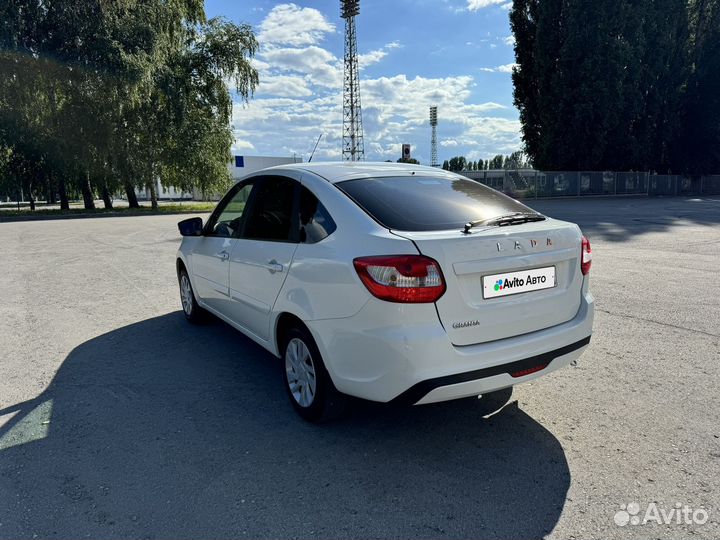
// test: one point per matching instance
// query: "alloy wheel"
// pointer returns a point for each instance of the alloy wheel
(300, 370)
(186, 294)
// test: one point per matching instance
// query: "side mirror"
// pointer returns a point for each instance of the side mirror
(191, 227)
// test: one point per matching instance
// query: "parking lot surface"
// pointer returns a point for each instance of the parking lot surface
(120, 420)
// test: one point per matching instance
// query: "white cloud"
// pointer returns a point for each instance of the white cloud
(260, 65)
(284, 86)
(484, 107)
(509, 41)
(395, 111)
(240, 145)
(321, 66)
(300, 97)
(506, 68)
(373, 57)
(289, 24)
(475, 5)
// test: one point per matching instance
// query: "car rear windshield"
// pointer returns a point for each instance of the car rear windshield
(426, 203)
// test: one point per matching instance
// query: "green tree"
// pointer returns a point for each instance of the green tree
(446, 165)
(535, 39)
(185, 134)
(663, 79)
(496, 162)
(137, 96)
(618, 85)
(457, 163)
(516, 160)
(698, 148)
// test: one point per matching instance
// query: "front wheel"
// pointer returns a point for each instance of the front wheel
(308, 384)
(193, 312)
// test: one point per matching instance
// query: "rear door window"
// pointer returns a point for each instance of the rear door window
(426, 203)
(315, 221)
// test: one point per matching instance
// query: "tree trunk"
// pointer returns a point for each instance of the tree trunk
(31, 196)
(153, 195)
(62, 191)
(50, 198)
(49, 188)
(87, 193)
(107, 199)
(131, 196)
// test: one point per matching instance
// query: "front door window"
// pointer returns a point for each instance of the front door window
(228, 218)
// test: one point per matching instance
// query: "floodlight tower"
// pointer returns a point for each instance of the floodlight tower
(353, 147)
(433, 140)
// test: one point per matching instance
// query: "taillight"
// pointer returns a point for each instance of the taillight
(401, 278)
(585, 256)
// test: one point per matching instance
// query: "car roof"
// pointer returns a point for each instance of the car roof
(339, 171)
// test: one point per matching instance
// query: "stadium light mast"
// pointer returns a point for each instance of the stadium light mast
(353, 146)
(433, 139)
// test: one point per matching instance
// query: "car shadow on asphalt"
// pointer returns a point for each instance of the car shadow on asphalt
(161, 429)
(626, 218)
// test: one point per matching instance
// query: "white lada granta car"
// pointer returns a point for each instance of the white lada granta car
(389, 282)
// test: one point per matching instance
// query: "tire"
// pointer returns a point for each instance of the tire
(307, 382)
(192, 311)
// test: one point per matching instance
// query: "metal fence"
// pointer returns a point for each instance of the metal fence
(529, 183)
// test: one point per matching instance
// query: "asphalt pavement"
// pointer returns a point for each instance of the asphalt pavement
(120, 420)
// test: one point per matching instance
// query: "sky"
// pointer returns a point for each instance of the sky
(456, 54)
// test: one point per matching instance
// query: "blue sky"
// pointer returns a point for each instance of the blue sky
(456, 54)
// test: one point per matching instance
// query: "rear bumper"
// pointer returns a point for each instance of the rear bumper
(493, 378)
(400, 352)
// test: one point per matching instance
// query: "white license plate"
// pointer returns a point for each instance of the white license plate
(509, 283)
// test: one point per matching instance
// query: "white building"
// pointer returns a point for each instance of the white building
(241, 166)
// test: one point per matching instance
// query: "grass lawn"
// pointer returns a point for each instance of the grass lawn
(169, 208)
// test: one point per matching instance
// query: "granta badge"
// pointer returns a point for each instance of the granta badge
(465, 324)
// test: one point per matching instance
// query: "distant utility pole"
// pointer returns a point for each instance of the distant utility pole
(433, 139)
(353, 147)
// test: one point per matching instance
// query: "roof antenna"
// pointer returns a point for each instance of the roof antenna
(316, 143)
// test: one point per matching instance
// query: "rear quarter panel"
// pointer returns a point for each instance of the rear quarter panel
(322, 282)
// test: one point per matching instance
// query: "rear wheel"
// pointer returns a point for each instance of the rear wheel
(307, 382)
(193, 312)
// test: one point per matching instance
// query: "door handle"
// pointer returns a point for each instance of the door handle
(274, 266)
(224, 255)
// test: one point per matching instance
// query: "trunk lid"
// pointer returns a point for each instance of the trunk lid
(469, 316)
